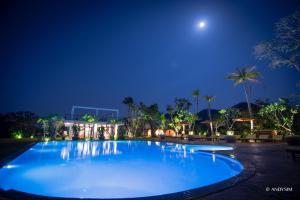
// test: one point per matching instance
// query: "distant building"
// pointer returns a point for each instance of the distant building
(100, 128)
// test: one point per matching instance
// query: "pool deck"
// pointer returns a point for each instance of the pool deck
(274, 170)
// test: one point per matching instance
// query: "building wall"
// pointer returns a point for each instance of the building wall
(88, 130)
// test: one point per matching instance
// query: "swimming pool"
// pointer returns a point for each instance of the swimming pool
(115, 169)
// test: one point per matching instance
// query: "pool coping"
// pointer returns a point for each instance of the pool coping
(14, 155)
(248, 172)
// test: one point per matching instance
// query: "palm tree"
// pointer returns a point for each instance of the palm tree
(210, 99)
(170, 111)
(182, 104)
(243, 77)
(89, 119)
(129, 102)
(55, 124)
(44, 121)
(151, 115)
(58, 123)
(196, 95)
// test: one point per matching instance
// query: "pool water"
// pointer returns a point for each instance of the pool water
(115, 169)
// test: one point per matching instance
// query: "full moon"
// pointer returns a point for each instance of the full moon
(201, 24)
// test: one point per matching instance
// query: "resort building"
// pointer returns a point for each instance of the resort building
(106, 127)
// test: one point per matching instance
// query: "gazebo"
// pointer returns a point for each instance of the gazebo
(184, 124)
(246, 119)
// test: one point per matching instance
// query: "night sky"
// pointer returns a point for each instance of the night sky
(55, 54)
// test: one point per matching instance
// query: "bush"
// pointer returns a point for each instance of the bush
(17, 134)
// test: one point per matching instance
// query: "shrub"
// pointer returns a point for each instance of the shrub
(17, 134)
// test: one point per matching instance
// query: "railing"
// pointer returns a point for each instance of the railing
(97, 118)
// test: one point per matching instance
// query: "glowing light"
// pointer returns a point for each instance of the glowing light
(230, 132)
(10, 166)
(149, 133)
(202, 24)
(214, 157)
(68, 124)
(159, 132)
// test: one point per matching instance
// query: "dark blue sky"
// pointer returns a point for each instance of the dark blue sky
(55, 54)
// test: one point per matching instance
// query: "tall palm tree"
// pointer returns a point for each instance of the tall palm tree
(154, 117)
(129, 102)
(170, 111)
(244, 76)
(210, 99)
(196, 95)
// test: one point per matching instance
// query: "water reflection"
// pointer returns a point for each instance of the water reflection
(91, 149)
(81, 150)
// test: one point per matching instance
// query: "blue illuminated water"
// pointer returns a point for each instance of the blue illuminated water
(115, 169)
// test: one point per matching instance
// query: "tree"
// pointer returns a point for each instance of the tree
(130, 104)
(76, 130)
(26, 122)
(44, 121)
(163, 121)
(228, 115)
(210, 99)
(182, 104)
(91, 120)
(131, 121)
(176, 121)
(151, 115)
(243, 77)
(196, 95)
(284, 48)
(170, 111)
(191, 119)
(55, 124)
(280, 114)
(179, 115)
(101, 131)
(115, 123)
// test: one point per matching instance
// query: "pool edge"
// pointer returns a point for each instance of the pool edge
(246, 173)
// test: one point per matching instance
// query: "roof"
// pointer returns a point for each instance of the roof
(243, 119)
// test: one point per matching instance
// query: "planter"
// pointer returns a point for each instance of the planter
(292, 140)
